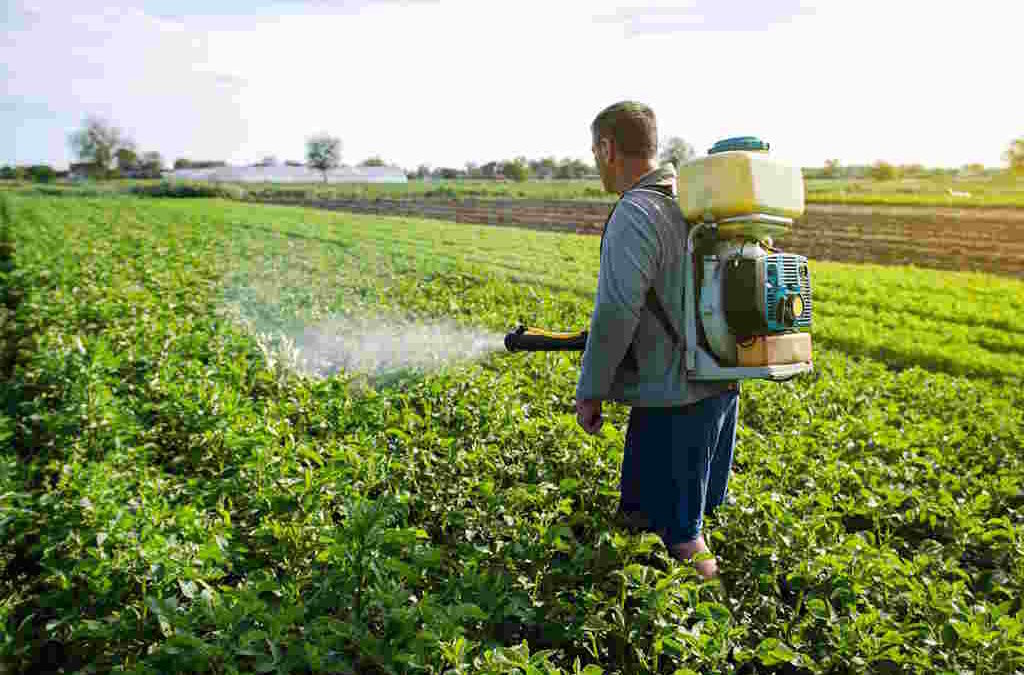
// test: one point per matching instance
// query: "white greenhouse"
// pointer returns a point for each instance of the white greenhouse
(291, 174)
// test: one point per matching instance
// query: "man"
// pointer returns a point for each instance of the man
(680, 438)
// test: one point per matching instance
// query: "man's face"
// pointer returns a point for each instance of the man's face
(602, 149)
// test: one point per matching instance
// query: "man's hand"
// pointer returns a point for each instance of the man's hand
(588, 415)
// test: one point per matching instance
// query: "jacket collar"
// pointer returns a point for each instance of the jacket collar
(664, 176)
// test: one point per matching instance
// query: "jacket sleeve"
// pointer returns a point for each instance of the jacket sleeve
(629, 261)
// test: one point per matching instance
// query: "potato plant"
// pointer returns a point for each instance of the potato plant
(173, 500)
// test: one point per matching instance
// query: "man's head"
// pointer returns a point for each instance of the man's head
(625, 143)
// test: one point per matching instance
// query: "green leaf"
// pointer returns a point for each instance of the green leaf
(311, 455)
(714, 611)
(773, 651)
(818, 608)
(468, 610)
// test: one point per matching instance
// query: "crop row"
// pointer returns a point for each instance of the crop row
(931, 240)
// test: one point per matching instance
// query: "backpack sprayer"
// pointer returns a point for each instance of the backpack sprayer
(753, 301)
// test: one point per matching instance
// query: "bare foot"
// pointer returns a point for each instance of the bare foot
(708, 567)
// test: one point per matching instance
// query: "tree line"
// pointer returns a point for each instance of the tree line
(886, 171)
(105, 151)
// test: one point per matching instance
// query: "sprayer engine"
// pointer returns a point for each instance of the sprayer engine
(754, 304)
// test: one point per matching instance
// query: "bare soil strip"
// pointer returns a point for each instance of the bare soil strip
(975, 239)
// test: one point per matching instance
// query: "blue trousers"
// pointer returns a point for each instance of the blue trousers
(676, 464)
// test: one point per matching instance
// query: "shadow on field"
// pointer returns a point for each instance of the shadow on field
(898, 359)
(290, 235)
(998, 347)
(994, 324)
(950, 317)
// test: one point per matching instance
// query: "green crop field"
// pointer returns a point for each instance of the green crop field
(998, 190)
(175, 498)
(1001, 190)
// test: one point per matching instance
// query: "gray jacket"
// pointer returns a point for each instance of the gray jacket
(643, 247)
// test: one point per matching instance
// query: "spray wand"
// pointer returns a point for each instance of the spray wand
(524, 339)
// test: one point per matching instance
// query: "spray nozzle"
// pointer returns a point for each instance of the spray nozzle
(524, 339)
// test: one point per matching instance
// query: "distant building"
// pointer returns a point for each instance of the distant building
(292, 174)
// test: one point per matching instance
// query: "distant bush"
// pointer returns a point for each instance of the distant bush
(516, 170)
(41, 173)
(88, 190)
(280, 193)
(187, 189)
(53, 191)
(445, 191)
(884, 171)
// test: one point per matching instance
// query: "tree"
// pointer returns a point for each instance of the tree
(269, 160)
(7, 173)
(98, 142)
(579, 168)
(151, 163)
(373, 161)
(677, 152)
(126, 158)
(883, 171)
(831, 168)
(518, 170)
(292, 162)
(422, 171)
(41, 173)
(1014, 156)
(323, 152)
(547, 167)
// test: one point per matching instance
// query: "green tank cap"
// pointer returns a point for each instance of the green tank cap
(748, 143)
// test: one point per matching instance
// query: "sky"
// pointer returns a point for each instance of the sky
(445, 82)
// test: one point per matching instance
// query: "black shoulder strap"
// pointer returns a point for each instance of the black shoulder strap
(656, 307)
(660, 189)
(652, 301)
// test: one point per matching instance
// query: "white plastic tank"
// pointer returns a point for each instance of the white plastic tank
(739, 178)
